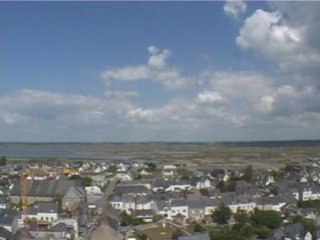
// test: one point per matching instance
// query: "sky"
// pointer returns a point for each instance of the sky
(159, 71)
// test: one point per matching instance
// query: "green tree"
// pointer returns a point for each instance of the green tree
(86, 181)
(247, 230)
(112, 169)
(152, 167)
(241, 217)
(228, 186)
(263, 232)
(269, 218)
(3, 161)
(197, 227)
(222, 214)
(248, 173)
(127, 220)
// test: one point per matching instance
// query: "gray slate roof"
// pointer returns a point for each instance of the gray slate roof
(46, 188)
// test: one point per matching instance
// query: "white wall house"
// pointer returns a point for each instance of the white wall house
(169, 170)
(179, 186)
(93, 190)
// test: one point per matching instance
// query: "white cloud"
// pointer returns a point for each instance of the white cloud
(156, 70)
(120, 94)
(140, 114)
(234, 8)
(267, 103)
(264, 32)
(209, 97)
(288, 36)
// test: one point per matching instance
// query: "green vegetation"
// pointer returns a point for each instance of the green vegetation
(152, 167)
(184, 174)
(112, 169)
(3, 161)
(263, 232)
(309, 204)
(308, 225)
(222, 214)
(242, 217)
(225, 234)
(277, 175)
(270, 218)
(228, 186)
(86, 181)
(247, 173)
(197, 227)
(4, 182)
(127, 220)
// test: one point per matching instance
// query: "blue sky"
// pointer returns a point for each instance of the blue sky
(158, 71)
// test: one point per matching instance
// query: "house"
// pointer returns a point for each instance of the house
(43, 213)
(203, 183)
(178, 186)
(144, 203)
(179, 207)
(275, 203)
(47, 212)
(145, 215)
(4, 203)
(159, 185)
(124, 176)
(116, 202)
(93, 190)
(292, 232)
(132, 190)
(9, 220)
(310, 213)
(196, 209)
(5, 234)
(243, 202)
(168, 171)
(57, 232)
(46, 190)
(143, 182)
(73, 197)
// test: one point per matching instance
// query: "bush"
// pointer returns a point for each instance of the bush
(198, 227)
(241, 217)
(263, 232)
(247, 230)
(270, 218)
(225, 234)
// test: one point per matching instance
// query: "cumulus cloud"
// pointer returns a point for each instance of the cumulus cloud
(209, 97)
(234, 8)
(156, 69)
(286, 37)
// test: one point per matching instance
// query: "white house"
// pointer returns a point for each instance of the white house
(179, 207)
(169, 170)
(93, 190)
(47, 212)
(178, 186)
(275, 203)
(203, 184)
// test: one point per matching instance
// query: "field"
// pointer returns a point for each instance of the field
(258, 154)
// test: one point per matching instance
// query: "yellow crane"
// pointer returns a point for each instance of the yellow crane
(24, 191)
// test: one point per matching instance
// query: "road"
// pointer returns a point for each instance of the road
(103, 207)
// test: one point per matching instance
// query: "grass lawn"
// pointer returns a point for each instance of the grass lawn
(159, 233)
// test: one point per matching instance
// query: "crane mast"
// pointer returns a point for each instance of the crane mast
(24, 192)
